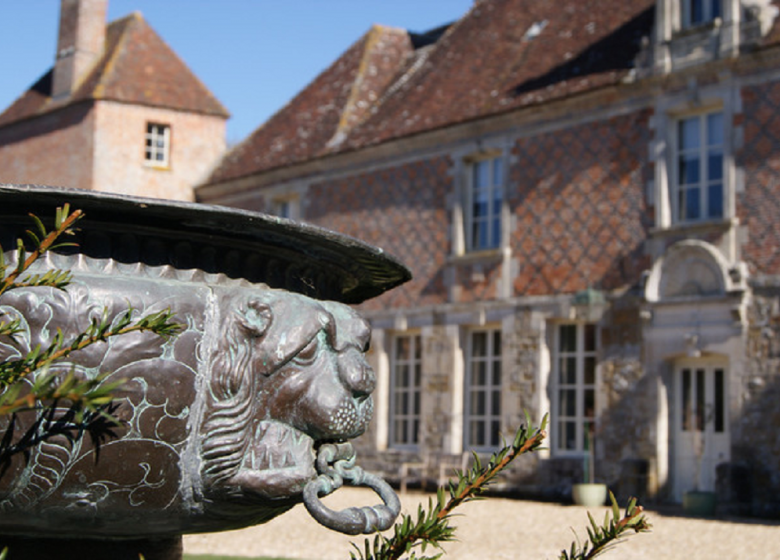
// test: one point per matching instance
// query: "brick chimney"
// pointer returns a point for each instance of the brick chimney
(80, 43)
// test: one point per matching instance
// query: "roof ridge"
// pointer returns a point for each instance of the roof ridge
(421, 56)
(371, 37)
(98, 91)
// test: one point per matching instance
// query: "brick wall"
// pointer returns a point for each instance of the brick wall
(578, 197)
(401, 209)
(101, 147)
(197, 142)
(55, 149)
(758, 206)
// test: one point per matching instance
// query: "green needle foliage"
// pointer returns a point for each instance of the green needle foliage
(42, 241)
(431, 527)
(87, 399)
(603, 537)
(88, 402)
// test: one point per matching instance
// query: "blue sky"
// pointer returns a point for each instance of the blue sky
(253, 54)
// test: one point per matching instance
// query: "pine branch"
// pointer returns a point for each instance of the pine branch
(89, 395)
(433, 526)
(604, 537)
(10, 328)
(42, 241)
(63, 406)
(100, 330)
(85, 395)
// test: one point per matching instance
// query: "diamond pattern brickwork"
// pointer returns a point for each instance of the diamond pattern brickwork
(477, 281)
(401, 209)
(759, 205)
(578, 196)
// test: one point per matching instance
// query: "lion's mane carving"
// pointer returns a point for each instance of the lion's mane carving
(288, 372)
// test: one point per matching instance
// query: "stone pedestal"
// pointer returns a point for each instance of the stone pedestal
(78, 549)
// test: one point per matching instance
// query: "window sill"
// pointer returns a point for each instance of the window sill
(488, 255)
(697, 28)
(695, 228)
(155, 167)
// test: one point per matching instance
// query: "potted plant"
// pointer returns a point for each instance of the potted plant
(589, 492)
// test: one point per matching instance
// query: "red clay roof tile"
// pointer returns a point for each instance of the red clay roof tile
(503, 54)
(137, 67)
(321, 116)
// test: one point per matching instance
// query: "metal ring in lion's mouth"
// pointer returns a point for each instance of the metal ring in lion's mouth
(336, 463)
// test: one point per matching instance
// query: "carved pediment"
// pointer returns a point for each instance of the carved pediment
(691, 269)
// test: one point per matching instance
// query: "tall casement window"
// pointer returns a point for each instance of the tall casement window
(698, 12)
(485, 198)
(483, 390)
(574, 371)
(699, 168)
(158, 145)
(406, 372)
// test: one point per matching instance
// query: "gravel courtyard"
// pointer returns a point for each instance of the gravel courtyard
(498, 528)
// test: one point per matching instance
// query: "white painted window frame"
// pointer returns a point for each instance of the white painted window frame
(412, 390)
(491, 420)
(286, 207)
(495, 212)
(681, 42)
(157, 145)
(579, 418)
(703, 152)
(668, 112)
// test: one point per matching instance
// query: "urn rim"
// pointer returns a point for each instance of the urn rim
(350, 270)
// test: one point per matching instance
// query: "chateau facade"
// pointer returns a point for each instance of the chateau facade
(587, 194)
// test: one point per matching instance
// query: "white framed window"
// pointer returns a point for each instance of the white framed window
(158, 145)
(574, 377)
(699, 12)
(483, 390)
(698, 168)
(286, 208)
(405, 391)
(484, 202)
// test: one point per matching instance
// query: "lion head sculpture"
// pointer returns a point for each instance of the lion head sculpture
(288, 372)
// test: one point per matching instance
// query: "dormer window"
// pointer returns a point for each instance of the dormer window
(700, 12)
(694, 32)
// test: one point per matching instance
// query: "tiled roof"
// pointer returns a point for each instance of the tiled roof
(506, 54)
(502, 55)
(321, 117)
(137, 67)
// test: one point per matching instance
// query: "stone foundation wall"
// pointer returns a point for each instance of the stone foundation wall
(755, 442)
